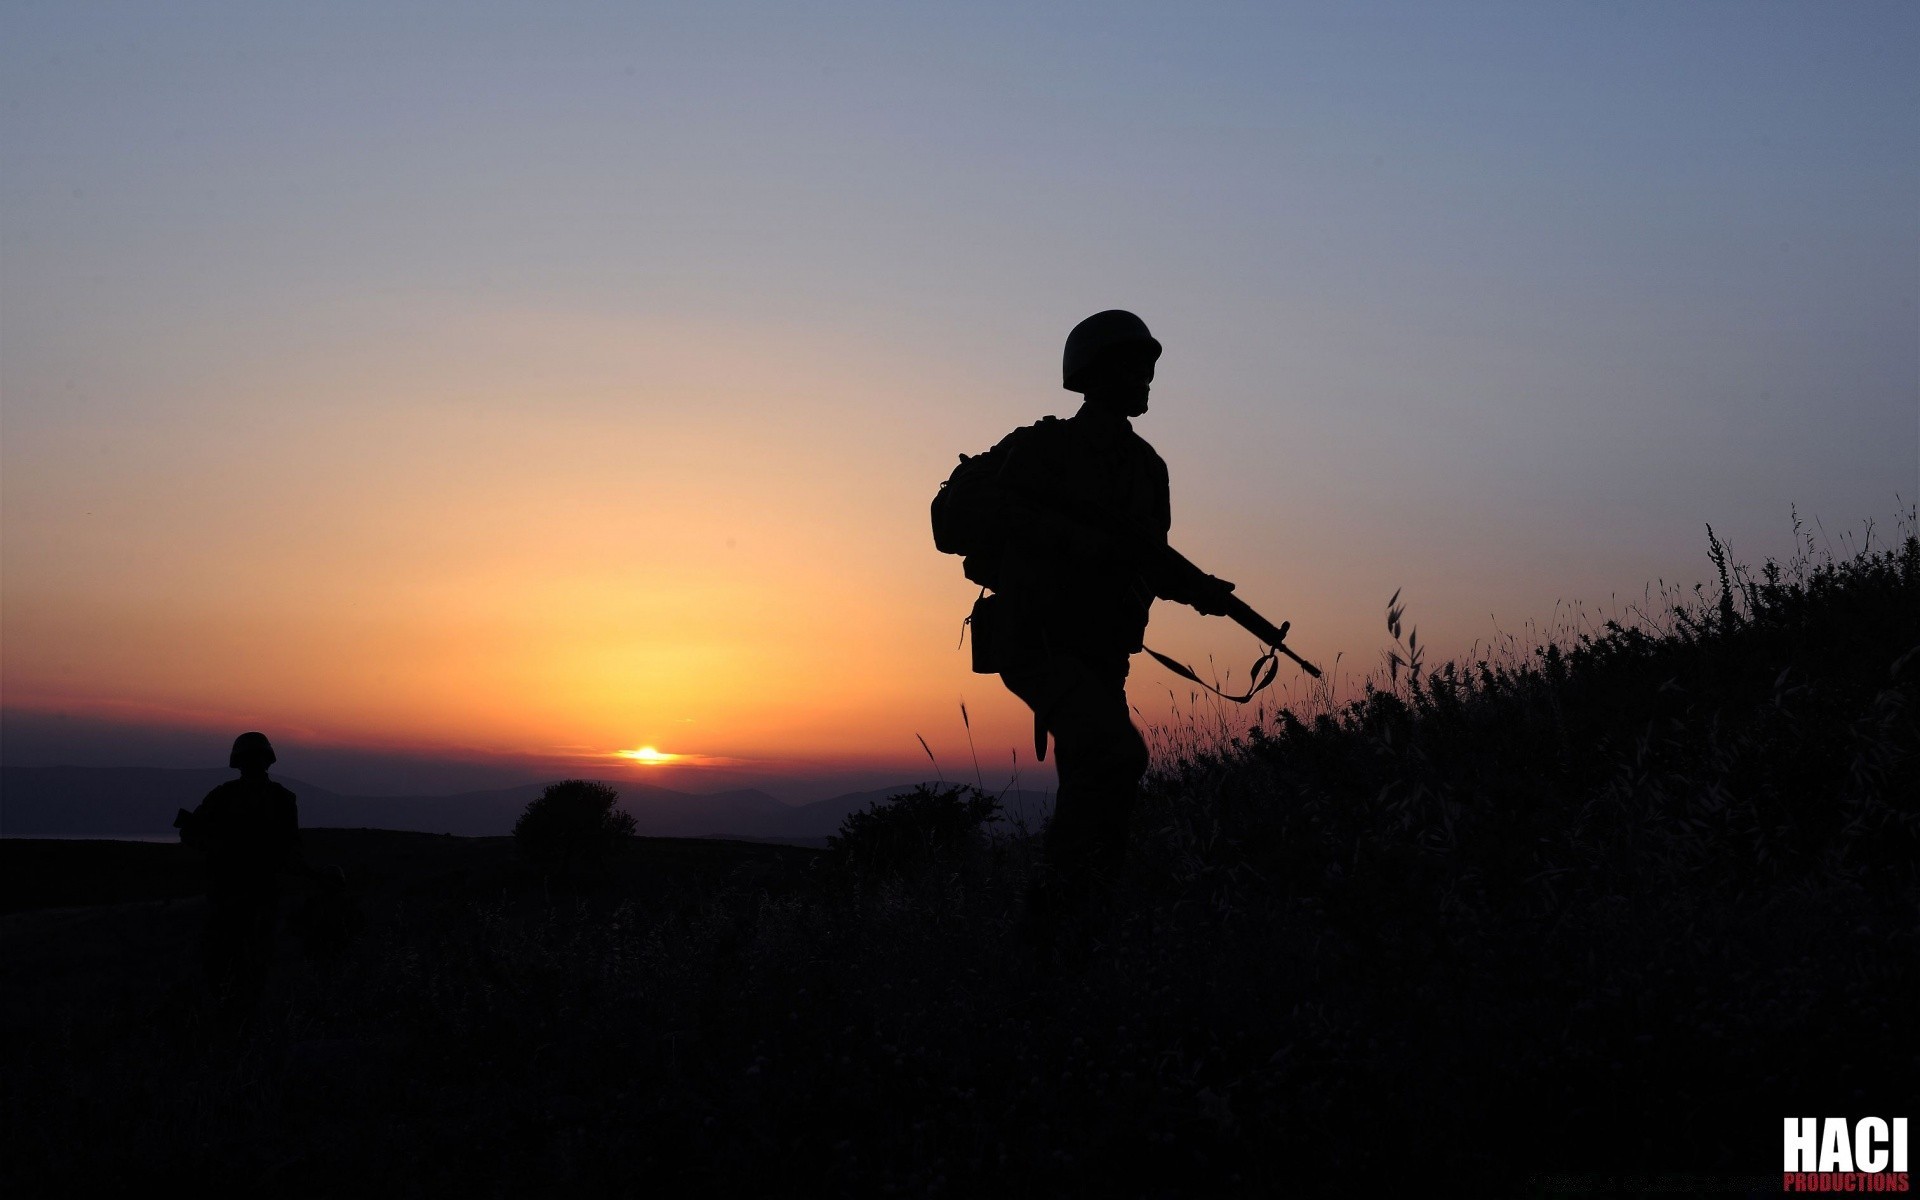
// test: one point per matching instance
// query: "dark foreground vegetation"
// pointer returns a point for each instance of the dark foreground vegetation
(1613, 908)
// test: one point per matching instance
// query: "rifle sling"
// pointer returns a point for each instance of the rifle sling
(1262, 673)
(1264, 669)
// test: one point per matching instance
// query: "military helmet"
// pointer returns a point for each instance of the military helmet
(251, 750)
(1099, 335)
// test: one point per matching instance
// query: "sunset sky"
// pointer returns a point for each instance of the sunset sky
(461, 392)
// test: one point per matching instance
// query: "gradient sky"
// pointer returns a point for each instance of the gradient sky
(523, 383)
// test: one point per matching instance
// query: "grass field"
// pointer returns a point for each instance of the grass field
(1600, 909)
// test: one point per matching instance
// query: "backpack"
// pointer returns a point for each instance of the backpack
(966, 518)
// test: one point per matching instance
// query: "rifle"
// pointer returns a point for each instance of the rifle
(1273, 637)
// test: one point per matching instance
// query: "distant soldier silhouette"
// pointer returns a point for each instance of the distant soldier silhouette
(249, 829)
(1066, 522)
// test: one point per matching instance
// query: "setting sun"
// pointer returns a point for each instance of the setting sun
(647, 754)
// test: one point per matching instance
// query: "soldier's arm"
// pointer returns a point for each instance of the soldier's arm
(1178, 580)
(1174, 577)
(198, 828)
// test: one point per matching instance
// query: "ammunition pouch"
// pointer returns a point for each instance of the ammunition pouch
(985, 632)
(1005, 637)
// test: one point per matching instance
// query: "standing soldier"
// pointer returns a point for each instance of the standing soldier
(249, 829)
(1066, 522)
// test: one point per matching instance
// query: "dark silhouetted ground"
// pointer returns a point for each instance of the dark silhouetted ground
(1566, 921)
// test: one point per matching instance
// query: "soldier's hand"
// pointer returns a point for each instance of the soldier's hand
(1212, 598)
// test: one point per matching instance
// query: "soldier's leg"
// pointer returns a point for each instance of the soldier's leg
(1099, 756)
(224, 946)
(1098, 745)
(262, 921)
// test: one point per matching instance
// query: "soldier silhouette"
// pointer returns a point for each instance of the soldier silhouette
(249, 829)
(1066, 522)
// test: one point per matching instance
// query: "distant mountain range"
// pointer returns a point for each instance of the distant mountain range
(138, 802)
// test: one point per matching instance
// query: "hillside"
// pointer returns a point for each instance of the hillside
(1566, 921)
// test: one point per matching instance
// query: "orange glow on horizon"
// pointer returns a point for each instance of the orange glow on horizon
(679, 538)
(649, 756)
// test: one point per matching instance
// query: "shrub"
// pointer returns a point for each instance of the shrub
(572, 824)
(930, 826)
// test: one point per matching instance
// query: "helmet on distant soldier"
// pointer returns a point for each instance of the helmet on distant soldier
(1098, 336)
(251, 750)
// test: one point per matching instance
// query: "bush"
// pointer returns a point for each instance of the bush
(933, 825)
(573, 824)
